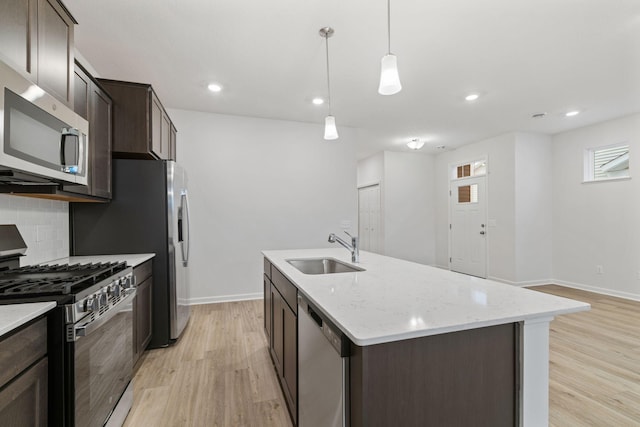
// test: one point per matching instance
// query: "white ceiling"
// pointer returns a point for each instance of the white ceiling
(523, 56)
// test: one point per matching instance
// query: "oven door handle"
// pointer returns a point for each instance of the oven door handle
(88, 328)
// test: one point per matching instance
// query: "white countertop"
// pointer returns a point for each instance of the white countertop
(132, 260)
(395, 300)
(15, 315)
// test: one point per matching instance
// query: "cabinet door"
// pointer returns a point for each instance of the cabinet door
(290, 363)
(81, 93)
(143, 315)
(18, 35)
(165, 137)
(267, 308)
(172, 143)
(55, 50)
(23, 402)
(156, 126)
(100, 137)
(277, 338)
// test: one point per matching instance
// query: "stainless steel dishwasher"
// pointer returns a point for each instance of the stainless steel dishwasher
(323, 370)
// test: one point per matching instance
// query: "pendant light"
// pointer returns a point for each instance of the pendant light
(389, 77)
(330, 130)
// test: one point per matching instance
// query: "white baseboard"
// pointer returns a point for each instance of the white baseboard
(598, 290)
(225, 298)
(523, 283)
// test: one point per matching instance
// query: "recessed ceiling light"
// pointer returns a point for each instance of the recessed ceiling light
(317, 101)
(472, 97)
(214, 87)
(572, 113)
(415, 144)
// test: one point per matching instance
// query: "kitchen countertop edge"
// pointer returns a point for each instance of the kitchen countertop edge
(12, 316)
(358, 337)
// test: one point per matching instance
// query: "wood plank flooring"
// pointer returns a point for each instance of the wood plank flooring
(594, 362)
(220, 373)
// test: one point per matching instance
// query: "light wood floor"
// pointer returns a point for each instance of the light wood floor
(220, 373)
(594, 369)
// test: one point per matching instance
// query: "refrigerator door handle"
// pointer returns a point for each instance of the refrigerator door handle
(183, 227)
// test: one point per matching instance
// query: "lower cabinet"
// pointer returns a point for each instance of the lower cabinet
(142, 310)
(24, 377)
(281, 329)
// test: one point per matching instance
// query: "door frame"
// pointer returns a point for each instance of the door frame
(381, 228)
(450, 170)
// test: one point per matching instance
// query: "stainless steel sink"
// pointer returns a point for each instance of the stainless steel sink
(323, 266)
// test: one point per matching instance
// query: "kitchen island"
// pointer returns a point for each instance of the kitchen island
(432, 346)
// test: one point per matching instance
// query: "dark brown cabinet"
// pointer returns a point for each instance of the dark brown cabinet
(281, 328)
(36, 38)
(142, 128)
(24, 376)
(142, 310)
(95, 105)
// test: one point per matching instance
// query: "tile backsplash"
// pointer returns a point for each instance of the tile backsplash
(43, 224)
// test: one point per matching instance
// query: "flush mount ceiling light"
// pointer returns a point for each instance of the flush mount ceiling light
(415, 144)
(389, 77)
(214, 87)
(572, 113)
(472, 97)
(317, 101)
(330, 130)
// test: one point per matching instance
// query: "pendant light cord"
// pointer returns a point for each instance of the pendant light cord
(389, 24)
(326, 38)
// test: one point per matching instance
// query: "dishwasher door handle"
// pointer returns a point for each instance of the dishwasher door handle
(315, 317)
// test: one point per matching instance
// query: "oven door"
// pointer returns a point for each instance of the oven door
(103, 363)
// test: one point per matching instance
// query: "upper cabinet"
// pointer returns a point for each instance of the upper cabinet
(94, 104)
(141, 127)
(36, 38)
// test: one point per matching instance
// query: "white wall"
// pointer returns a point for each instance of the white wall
(409, 210)
(501, 241)
(259, 184)
(43, 224)
(597, 223)
(533, 208)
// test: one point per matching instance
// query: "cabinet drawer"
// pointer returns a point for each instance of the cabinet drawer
(24, 401)
(21, 349)
(287, 289)
(267, 268)
(143, 272)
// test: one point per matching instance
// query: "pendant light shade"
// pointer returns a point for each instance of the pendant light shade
(389, 77)
(330, 130)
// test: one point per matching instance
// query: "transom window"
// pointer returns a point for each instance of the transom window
(467, 170)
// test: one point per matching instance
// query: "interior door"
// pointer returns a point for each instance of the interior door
(369, 218)
(468, 228)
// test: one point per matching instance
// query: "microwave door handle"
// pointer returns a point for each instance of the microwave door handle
(67, 132)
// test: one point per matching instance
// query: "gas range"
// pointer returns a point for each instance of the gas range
(90, 332)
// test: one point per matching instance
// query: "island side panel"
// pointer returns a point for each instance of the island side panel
(456, 379)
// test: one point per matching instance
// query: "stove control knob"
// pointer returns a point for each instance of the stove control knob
(103, 299)
(91, 304)
(114, 289)
(125, 282)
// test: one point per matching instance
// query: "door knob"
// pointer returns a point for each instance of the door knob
(482, 232)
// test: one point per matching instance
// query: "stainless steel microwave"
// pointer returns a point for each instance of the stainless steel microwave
(41, 139)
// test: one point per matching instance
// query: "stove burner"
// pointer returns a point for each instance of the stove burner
(59, 279)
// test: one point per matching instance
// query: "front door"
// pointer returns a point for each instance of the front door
(468, 226)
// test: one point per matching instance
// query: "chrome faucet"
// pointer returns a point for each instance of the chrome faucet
(353, 247)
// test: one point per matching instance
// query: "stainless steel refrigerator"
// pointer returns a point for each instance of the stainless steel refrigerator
(149, 212)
